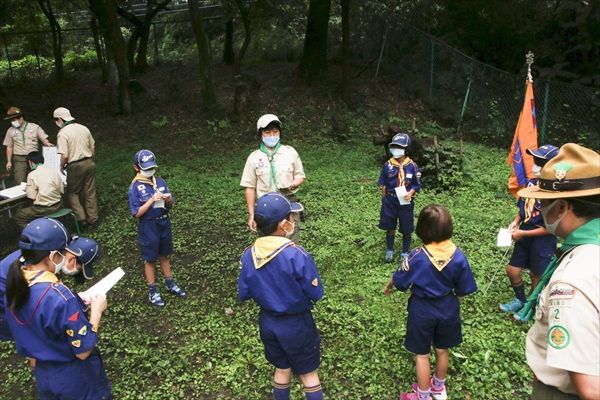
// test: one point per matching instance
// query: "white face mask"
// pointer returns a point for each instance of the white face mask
(290, 233)
(60, 265)
(16, 124)
(551, 228)
(67, 271)
(147, 173)
(397, 153)
(536, 170)
(271, 141)
(59, 124)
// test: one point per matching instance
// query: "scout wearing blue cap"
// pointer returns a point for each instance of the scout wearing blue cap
(49, 321)
(283, 280)
(144, 159)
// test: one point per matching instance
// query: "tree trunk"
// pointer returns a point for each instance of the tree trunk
(56, 38)
(228, 55)
(206, 84)
(345, 49)
(247, 29)
(313, 64)
(116, 52)
(98, 47)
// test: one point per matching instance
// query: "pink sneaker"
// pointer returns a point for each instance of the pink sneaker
(411, 396)
(436, 392)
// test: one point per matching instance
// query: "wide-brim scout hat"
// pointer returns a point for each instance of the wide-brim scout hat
(546, 152)
(273, 207)
(265, 120)
(574, 172)
(44, 234)
(144, 159)
(63, 114)
(13, 112)
(401, 139)
(87, 252)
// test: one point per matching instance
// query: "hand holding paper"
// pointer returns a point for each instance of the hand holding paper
(504, 238)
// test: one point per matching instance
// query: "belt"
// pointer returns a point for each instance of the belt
(162, 216)
(81, 159)
(391, 193)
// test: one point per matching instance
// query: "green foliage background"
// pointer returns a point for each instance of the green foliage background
(192, 349)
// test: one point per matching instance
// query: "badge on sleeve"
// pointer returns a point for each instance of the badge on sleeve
(74, 317)
(76, 343)
(141, 187)
(558, 337)
(315, 282)
(70, 332)
(82, 331)
(260, 163)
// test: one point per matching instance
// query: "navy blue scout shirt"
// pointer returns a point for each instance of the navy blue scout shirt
(529, 209)
(391, 173)
(5, 333)
(141, 190)
(428, 275)
(279, 276)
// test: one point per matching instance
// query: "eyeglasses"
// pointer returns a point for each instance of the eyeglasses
(270, 132)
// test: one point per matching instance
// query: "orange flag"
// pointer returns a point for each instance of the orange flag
(525, 138)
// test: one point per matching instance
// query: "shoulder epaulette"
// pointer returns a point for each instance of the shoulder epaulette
(64, 291)
(300, 249)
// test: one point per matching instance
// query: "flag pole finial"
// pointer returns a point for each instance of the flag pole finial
(529, 61)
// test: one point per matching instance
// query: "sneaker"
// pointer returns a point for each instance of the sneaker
(82, 224)
(403, 256)
(411, 396)
(389, 256)
(95, 224)
(176, 290)
(156, 299)
(513, 306)
(436, 392)
(522, 317)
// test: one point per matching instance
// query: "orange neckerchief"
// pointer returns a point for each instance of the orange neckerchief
(39, 276)
(140, 178)
(267, 248)
(400, 166)
(440, 254)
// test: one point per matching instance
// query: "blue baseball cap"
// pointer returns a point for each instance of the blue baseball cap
(401, 139)
(273, 207)
(546, 152)
(44, 234)
(144, 159)
(87, 252)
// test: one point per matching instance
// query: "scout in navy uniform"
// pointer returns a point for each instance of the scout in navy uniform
(399, 175)
(150, 202)
(534, 246)
(48, 321)
(283, 280)
(438, 276)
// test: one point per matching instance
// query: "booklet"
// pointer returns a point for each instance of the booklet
(105, 284)
(504, 238)
(400, 193)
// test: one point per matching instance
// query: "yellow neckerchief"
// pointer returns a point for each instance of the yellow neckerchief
(38, 276)
(140, 178)
(267, 248)
(529, 208)
(400, 166)
(440, 254)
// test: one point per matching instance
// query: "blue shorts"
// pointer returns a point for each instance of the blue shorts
(435, 320)
(155, 238)
(533, 253)
(392, 211)
(291, 341)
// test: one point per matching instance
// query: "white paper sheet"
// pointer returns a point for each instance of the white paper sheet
(52, 160)
(159, 204)
(13, 192)
(400, 193)
(105, 284)
(504, 238)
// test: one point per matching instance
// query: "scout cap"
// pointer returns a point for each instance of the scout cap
(44, 234)
(574, 172)
(63, 114)
(266, 120)
(86, 251)
(273, 207)
(144, 159)
(13, 112)
(546, 152)
(401, 140)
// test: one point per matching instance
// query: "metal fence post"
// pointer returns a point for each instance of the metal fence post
(381, 53)
(544, 116)
(431, 70)
(12, 78)
(462, 113)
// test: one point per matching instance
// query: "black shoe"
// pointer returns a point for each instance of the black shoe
(82, 224)
(95, 225)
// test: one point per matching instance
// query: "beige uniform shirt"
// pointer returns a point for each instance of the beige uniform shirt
(26, 141)
(44, 186)
(75, 140)
(566, 333)
(287, 167)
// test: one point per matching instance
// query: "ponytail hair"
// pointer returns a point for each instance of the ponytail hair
(17, 287)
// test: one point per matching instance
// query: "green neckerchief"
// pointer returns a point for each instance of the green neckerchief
(68, 123)
(23, 132)
(36, 165)
(272, 174)
(585, 234)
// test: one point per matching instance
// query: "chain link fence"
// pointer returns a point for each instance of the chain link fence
(480, 101)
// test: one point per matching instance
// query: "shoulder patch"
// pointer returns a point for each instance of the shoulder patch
(74, 317)
(315, 282)
(76, 343)
(558, 337)
(562, 291)
(70, 332)
(82, 331)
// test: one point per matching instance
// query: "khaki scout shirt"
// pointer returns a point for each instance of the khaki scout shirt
(75, 140)
(26, 141)
(44, 186)
(566, 333)
(287, 167)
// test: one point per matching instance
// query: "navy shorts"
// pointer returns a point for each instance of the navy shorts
(291, 341)
(155, 238)
(392, 211)
(435, 320)
(533, 253)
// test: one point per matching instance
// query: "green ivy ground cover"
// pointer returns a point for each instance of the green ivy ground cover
(192, 349)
